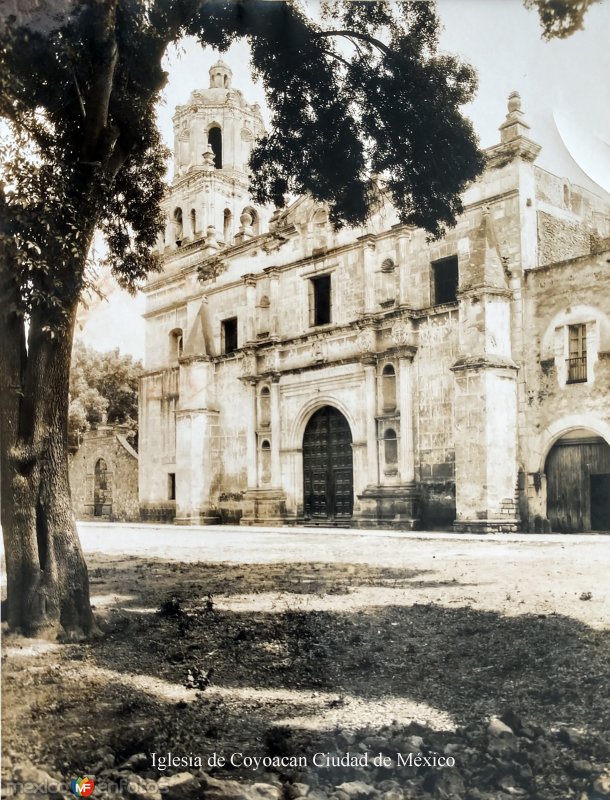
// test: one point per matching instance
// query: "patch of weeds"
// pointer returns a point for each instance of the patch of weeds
(171, 607)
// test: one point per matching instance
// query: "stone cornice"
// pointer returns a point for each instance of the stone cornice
(481, 362)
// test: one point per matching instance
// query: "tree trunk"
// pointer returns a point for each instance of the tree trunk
(48, 585)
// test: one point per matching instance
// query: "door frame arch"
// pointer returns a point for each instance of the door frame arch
(333, 467)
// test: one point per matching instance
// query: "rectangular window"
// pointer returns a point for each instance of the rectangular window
(444, 280)
(229, 335)
(319, 300)
(577, 362)
(171, 486)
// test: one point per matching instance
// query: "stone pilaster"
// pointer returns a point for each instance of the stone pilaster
(250, 284)
(368, 267)
(370, 404)
(406, 454)
(251, 449)
(274, 292)
(276, 477)
(485, 392)
(402, 250)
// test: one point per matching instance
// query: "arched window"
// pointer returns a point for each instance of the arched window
(390, 448)
(193, 222)
(227, 226)
(215, 142)
(265, 461)
(256, 220)
(178, 226)
(265, 407)
(176, 344)
(388, 388)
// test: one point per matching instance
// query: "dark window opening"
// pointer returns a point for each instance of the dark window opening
(171, 486)
(215, 142)
(445, 280)
(577, 362)
(229, 335)
(320, 297)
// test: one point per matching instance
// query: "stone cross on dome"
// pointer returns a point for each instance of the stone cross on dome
(220, 75)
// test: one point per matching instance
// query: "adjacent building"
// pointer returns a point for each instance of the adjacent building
(368, 377)
(104, 475)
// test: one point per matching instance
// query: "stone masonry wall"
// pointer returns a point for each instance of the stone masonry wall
(434, 416)
(572, 292)
(122, 464)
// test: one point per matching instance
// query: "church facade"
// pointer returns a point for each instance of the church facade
(294, 374)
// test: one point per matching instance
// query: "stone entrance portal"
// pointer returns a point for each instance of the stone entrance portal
(102, 490)
(328, 493)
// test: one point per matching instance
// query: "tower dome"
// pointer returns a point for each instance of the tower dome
(220, 75)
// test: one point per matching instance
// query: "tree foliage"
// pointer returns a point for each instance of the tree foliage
(103, 387)
(560, 18)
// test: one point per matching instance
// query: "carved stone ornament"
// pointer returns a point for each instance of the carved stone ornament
(366, 341)
(401, 333)
(248, 364)
(271, 362)
(318, 351)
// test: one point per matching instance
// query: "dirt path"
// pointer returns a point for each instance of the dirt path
(276, 641)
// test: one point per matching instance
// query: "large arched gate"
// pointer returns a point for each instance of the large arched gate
(328, 472)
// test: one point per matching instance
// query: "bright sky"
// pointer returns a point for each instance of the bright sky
(564, 86)
(566, 79)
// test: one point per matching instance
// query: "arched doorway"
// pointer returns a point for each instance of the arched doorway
(578, 483)
(328, 470)
(102, 490)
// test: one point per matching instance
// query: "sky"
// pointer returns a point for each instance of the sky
(564, 86)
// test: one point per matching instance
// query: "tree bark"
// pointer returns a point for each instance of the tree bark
(48, 585)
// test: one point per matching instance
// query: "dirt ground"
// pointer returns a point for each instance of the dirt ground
(267, 642)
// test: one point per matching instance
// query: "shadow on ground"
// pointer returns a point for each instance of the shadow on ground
(549, 671)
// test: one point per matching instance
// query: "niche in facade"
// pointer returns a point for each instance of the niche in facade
(265, 407)
(265, 461)
(215, 142)
(388, 388)
(390, 450)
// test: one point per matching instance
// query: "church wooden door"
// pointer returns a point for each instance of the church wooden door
(327, 467)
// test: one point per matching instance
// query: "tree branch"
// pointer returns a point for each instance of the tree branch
(363, 37)
(98, 97)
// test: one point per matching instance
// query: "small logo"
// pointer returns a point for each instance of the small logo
(82, 787)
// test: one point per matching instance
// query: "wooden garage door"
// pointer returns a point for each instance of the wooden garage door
(578, 480)
(327, 467)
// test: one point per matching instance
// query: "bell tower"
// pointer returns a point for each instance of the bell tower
(214, 134)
